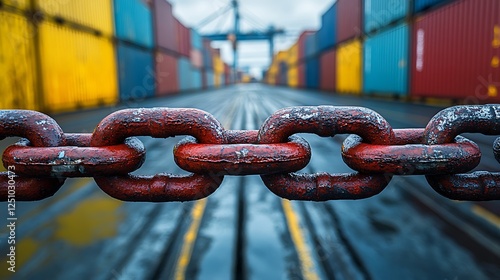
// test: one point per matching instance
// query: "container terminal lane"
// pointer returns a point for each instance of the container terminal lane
(243, 231)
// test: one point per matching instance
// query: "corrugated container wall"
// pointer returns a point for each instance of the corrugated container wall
(135, 72)
(91, 78)
(133, 22)
(166, 74)
(165, 27)
(327, 34)
(17, 63)
(380, 13)
(348, 19)
(96, 14)
(184, 70)
(302, 44)
(420, 5)
(456, 52)
(327, 70)
(184, 42)
(348, 70)
(386, 62)
(20, 4)
(208, 59)
(311, 45)
(312, 73)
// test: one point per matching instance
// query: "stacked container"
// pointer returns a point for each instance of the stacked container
(348, 19)
(348, 73)
(422, 5)
(327, 34)
(311, 61)
(327, 70)
(292, 61)
(378, 14)
(134, 31)
(456, 52)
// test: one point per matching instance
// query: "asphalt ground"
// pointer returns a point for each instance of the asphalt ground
(243, 231)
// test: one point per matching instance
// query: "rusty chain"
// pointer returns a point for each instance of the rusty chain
(45, 156)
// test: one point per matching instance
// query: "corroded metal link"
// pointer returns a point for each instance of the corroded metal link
(75, 158)
(445, 126)
(242, 155)
(326, 121)
(42, 131)
(408, 155)
(158, 123)
(496, 149)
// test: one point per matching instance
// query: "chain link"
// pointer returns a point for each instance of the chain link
(46, 156)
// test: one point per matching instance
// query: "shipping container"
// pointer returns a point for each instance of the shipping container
(283, 73)
(301, 75)
(293, 76)
(184, 74)
(165, 27)
(312, 73)
(327, 70)
(386, 62)
(196, 40)
(311, 45)
(380, 13)
(348, 72)
(210, 78)
(78, 69)
(96, 14)
(293, 55)
(217, 80)
(184, 36)
(20, 4)
(166, 74)
(196, 58)
(133, 22)
(301, 44)
(18, 83)
(135, 72)
(421, 5)
(218, 65)
(327, 34)
(207, 53)
(196, 80)
(348, 19)
(456, 51)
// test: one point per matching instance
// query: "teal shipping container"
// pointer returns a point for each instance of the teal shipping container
(134, 22)
(380, 13)
(386, 62)
(196, 40)
(136, 72)
(210, 78)
(421, 5)
(196, 79)
(184, 75)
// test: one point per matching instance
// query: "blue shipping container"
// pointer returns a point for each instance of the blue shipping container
(184, 73)
(196, 80)
(420, 5)
(312, 73)
(327, 35)
(133, 22)
(380, 13)
(210, 78)
(311, 45)
(386, 62)
(196, 40)
(136, 72)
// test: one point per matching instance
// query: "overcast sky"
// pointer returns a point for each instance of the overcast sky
(293, 16)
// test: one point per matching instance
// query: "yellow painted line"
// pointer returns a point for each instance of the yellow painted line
(189, 239)
(487, 215)
(306, 262)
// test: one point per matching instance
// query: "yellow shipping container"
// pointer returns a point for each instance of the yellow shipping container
(97, 14)
(293, 76)
(349, 67)
(218, 65)
(21, 4)
(78, 69)
(282, 56)
(17, 63)
(293, 55)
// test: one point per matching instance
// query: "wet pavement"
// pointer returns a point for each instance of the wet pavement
(243, 231)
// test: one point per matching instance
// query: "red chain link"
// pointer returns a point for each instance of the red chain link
(376, 152)
(442, 128)
(326, 121)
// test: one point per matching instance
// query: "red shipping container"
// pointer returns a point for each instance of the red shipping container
(196, 58)
(301, 43)
(348, 19)
(327, 66)
(184, 39)
(227, 74)
(166, 74)
(456, 52)
(302, 75)
(165, 26)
